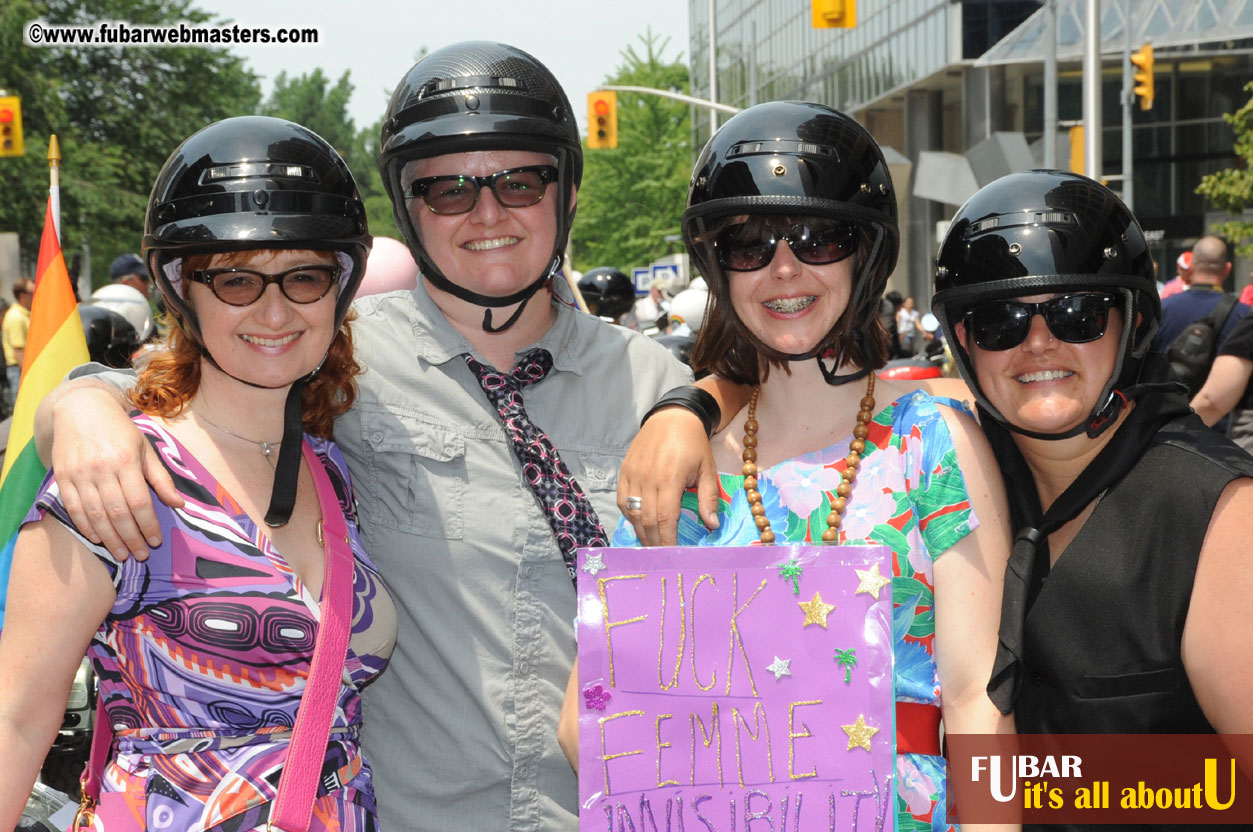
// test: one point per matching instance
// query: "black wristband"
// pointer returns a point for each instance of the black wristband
(694, 399)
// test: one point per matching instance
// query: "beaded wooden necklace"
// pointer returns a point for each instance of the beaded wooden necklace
(843, 491)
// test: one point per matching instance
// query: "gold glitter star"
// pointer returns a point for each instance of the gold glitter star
(816, 610)
(870, 581)
(859, 733)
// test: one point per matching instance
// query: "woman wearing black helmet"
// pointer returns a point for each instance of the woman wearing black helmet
(791, 217)
(1122, 499)
(471, 118)
(481, 155)
(206, 649)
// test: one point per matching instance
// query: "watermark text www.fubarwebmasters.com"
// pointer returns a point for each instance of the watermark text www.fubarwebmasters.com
(121, 33)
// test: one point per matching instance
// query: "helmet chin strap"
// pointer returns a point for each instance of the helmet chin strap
(1104, 415)
(836, 380)
(432, 273)
(831, 377)
(287, 469)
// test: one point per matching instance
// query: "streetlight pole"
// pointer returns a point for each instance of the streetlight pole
(713, 69)
(1128, 98)
(1093, 162)
(1050, 84)
(713, 106)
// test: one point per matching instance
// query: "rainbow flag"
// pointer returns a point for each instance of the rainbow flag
(54, 346)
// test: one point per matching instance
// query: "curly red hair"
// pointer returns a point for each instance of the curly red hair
(171, 376)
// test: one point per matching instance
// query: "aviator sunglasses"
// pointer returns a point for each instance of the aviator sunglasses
(242, 287)
(1004, 324)
(739, 250)
(459, 193)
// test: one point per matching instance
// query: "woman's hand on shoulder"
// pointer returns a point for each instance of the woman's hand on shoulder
(670, 453)
(103, 467)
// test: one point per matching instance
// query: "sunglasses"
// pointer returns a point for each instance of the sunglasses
(459, 193)
(739, 250)
(241, 287)
(1004, 324)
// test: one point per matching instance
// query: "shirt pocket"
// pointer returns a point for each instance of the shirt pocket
(597, 475)
(1166, 680)
(417, 476)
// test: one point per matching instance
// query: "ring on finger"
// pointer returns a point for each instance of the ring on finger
(634, 503)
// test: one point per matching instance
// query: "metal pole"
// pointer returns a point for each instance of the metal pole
(1093, 164)
(1050, 84)
(752, 63)
(1128, 98)
(674, 96)
(713, 68)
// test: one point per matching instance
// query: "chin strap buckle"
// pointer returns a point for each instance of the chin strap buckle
(1107, 414)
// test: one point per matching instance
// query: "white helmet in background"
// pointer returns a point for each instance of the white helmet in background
(687, 308)
(129, 303)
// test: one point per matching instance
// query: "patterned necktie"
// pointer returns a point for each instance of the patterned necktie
(569, 512)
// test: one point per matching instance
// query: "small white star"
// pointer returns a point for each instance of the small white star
(780, 668)
(593, 564)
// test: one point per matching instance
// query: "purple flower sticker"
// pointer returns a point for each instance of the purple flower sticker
(596, 696)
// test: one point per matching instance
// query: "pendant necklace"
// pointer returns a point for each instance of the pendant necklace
(267, 448)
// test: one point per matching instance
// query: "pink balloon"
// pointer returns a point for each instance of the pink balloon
(389, 267)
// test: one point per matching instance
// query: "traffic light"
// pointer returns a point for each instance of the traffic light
(11, 142)
(834, 14)
(602, 119)
(1142, 77)
(1077, 158)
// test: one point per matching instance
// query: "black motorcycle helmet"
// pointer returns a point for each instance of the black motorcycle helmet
(1048, 231)
(111, 340)
(608, 292)
(256, 183)
(680, 346)
(253, 182)
(793, 158)
(475, 96)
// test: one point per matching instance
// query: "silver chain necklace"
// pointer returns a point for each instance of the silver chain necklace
(267, 448)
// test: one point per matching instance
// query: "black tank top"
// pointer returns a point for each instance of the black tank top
(1103, 636)
(1102, 639)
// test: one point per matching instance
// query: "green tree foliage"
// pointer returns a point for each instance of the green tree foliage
(118, 112)
(307, 100)
(632, 196)
(312, 101)
(1231, 190)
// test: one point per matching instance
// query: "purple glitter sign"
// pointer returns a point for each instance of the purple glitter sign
(741, 688)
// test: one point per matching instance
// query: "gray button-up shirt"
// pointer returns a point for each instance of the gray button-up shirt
(462, 728)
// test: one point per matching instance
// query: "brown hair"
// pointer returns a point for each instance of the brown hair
(171, 376)
(23, 286)
(724, 345)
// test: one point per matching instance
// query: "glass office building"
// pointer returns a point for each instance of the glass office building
(946, 75)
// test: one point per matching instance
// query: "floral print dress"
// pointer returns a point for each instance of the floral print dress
(909, 495)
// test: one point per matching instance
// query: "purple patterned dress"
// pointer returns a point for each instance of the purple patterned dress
(204, 656)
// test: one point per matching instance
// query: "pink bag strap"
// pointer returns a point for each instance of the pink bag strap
(297, 786)
(293, 804)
